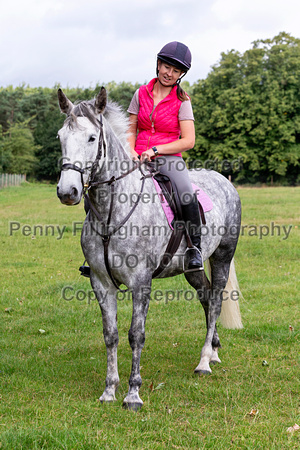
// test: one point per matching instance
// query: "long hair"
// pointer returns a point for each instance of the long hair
(181, 95)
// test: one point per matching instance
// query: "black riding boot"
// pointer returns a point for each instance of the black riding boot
(191, 217)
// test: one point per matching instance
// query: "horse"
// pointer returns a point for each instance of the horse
(121, 193)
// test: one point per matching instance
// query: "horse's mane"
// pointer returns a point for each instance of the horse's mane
(118, 121)
(113, 113)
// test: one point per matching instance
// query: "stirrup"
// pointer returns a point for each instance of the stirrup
(192, 269)
(85, 270)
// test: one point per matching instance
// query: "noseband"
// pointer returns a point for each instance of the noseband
(101, 143)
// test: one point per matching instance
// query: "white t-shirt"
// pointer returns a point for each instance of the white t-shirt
(185, 110)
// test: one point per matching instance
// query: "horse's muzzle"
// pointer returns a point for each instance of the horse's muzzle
(70, 198)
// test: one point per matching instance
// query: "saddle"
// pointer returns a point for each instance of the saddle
(170, 194)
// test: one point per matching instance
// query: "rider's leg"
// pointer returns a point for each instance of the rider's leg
(191, 217)
(174, 167)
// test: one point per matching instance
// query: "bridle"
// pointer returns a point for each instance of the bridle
(178, 230)
(101, 143)
(92, 183)
(94, 167)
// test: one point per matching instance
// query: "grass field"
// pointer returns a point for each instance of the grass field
(53, 359)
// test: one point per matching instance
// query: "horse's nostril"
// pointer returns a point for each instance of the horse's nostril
(74, 192)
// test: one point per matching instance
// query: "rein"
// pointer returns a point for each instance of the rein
(178, 230)
(111, 182)
(109, 233)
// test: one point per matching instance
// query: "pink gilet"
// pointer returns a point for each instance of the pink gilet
(160, 127)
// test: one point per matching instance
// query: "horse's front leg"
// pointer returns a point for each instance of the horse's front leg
(136, 335)
(108, 304)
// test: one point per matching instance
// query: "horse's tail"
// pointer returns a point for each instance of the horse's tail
(230, 316)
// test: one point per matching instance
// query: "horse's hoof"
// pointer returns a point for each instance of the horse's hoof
(132, 406)
(104, 402)
(107, 398)
(215, 361)
(202, 372)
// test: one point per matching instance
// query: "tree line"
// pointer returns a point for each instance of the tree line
(247, 117)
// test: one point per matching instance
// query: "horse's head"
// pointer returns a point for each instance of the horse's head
(79, 138)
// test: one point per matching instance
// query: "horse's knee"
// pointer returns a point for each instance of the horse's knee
(111, 337)
(136, 338)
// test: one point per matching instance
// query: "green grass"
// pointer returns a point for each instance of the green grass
(50, 382)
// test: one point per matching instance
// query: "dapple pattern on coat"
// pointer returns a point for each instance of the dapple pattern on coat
(79, 139)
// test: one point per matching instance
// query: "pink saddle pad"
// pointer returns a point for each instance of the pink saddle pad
(203, 199)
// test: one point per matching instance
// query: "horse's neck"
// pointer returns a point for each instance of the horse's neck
(114, 164)
(117, 162)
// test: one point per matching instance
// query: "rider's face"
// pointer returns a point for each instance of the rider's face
(167, 74)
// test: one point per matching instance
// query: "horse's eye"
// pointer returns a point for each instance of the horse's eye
(92, 138)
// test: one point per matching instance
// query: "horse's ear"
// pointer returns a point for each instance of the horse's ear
(65, 104)
(101, 100)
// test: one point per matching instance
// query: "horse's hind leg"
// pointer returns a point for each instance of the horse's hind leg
(209, 352)
(200, 282)
(220, 265)
(214, 358)
(136, 335)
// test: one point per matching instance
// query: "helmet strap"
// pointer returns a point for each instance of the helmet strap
(180, 78)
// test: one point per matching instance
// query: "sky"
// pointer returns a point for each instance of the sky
(81, 43)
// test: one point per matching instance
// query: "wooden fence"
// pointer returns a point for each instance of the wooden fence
(11, 179)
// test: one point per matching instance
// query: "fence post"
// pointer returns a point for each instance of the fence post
(8, 179)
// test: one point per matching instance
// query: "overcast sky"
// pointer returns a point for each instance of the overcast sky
(84, 42)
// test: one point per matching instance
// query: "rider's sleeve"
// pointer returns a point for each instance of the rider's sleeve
(186, 111)
(134, 104)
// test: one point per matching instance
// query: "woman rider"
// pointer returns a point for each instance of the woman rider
(162, 126)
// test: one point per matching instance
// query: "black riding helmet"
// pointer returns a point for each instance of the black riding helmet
(176, 54)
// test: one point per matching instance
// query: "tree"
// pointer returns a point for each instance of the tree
(121, 93)
(10, 111)
(248, 108)
(48, 152)
(5, 154)
(18, 150)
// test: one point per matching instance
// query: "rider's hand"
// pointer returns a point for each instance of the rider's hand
(147, 155)
(134, 155)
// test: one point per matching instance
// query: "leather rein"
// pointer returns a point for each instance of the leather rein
(111, 182)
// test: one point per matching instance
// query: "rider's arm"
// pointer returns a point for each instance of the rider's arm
(132, 131)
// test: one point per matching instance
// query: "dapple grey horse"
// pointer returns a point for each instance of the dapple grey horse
(122, 196)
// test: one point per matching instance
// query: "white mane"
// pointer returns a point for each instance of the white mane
(113, 113)
(118, 122)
